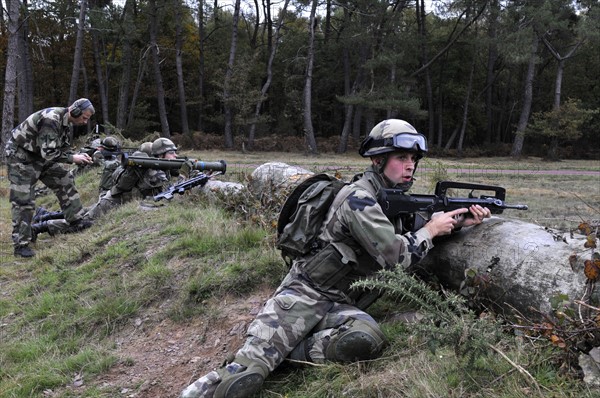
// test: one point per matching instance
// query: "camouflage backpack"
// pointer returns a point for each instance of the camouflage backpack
(303, 214)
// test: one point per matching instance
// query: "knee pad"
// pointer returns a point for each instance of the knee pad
(241, 378)
(361, 340)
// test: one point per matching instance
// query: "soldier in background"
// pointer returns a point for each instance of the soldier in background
(107, 155)
(35, 151)
(146, 181)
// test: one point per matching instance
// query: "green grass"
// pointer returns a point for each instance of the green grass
(60, 310)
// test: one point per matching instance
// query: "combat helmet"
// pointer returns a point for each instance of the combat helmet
(391, 135)
(162, 145)
(146, 148)
(110, 144)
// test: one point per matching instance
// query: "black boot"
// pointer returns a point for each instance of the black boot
(38, 228)
(41, 214)
(80, 225)
(24, 251)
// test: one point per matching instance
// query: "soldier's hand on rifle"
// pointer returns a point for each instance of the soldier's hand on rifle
(443, 223)
(82, 158)
(475, 216)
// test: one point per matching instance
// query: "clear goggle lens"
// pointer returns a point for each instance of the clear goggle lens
(410, 141)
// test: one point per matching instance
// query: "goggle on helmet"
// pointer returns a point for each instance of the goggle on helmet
(392, 135)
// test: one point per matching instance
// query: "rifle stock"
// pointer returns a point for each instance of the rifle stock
(395, 202)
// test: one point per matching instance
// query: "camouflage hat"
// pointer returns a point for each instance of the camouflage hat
(146, 147)
(111, 143)
(162, 145)
(391, 135)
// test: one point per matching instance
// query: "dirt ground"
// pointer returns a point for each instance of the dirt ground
(158, 358)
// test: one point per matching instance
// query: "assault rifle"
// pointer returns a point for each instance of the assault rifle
(200, 180)
(170, 164)
(395, 202)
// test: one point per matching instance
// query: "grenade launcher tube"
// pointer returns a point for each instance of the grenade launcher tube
(171, 164)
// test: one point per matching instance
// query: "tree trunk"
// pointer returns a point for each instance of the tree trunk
(517, 147)
(102, 86)
(527, 265)
(10, 73)
(491, 63)
(136, 89)
(78, 53)
(199, 125)
(465, 119)
(228, 129)
(560, 68)
(309, 134)
(25, 80)
(126, 64)
(423, 56)
(185, 129)
(160, 90)
(265, 88)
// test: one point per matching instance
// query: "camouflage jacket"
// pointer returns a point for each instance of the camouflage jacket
(358, 240)
(46, 133)
(147, 181)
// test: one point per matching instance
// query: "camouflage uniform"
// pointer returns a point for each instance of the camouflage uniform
(314, 315)
(34, 152)
(315, 302)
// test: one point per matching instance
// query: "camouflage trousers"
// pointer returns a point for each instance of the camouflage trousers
(106, 203)
(297, 314)
(24, 170)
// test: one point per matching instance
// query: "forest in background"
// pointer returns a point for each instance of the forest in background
(511, 77)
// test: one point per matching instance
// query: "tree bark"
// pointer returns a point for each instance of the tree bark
(78, 53)
(185, 129)
(102, 86)
(10, 73)
(160, 89)
(309, 133)
(517, 147)
(527, 264)
(491, 63)
(228, 129)
(126, 64)
(265, 88)
(25, 80)
(201, 35)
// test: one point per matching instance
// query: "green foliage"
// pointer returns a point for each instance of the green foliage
(447, 322)
(561, 124)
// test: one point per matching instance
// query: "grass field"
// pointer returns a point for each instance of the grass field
(78, 319)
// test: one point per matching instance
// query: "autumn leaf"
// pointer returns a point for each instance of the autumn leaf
(573, 261)
(591, 269)
(557, 341)
(585, 228)
(590, 242)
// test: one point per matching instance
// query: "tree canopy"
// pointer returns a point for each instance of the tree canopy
(472, 75)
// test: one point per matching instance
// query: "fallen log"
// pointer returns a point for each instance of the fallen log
(513, 266)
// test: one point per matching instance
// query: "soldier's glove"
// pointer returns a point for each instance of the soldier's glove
(187, 170)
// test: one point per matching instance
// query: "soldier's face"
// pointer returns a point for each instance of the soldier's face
(170, 155)
(400, 166)
(83, 119)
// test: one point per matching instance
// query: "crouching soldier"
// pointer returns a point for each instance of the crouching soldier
(314, 315)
